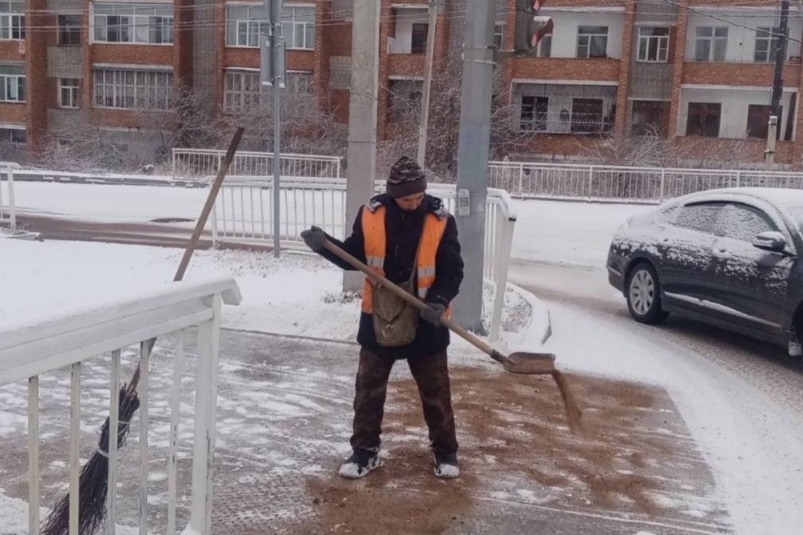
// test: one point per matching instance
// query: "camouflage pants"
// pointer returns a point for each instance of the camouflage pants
(431, 374)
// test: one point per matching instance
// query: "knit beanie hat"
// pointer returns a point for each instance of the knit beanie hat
(406, 178)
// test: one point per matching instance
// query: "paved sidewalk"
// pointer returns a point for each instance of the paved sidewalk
(284, 419)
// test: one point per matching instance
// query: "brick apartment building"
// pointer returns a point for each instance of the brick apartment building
(612, 67)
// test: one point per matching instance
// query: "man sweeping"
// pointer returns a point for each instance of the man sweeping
(409, 237)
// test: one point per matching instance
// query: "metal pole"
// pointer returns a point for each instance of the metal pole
(363, 102)
(278, 48)
(771, 136)
(424, 124)
(777, 84)
(472, 156)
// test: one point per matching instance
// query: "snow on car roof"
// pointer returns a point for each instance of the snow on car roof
(777, 196)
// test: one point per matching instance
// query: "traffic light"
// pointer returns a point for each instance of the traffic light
(530, 27)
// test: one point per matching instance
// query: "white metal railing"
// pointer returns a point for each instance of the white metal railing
(244, 212)
(8, 215)
(631, 184)
(205, 162)
(28, 350)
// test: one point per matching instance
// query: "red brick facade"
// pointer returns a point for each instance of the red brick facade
(328, 64)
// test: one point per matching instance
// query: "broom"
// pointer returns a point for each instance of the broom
(93, 483)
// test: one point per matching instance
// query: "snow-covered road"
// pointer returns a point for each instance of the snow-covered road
(742, 399)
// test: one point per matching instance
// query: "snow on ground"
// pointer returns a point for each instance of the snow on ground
(547, 231)
(298, 295)
(563, 232)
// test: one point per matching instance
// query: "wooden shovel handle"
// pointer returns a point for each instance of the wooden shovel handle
(407, 297)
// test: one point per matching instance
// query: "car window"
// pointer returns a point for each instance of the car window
(701, 217)
(743, 222)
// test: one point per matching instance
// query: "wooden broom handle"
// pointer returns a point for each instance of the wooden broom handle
(406, 296)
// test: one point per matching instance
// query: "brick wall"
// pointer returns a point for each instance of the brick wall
(598, 69)
(738, 74)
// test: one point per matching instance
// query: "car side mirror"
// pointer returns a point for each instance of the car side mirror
(773, 241)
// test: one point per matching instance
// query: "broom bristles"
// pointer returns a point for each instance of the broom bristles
(573, 412)
(93, 483)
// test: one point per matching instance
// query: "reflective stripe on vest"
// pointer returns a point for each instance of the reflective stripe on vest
(373, 227)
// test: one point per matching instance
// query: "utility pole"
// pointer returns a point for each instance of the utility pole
(472, 156)
(273, 73)
(422, 129)
(777, 85)
(363, 102)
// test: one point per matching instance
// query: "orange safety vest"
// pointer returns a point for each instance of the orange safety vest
(373, 228)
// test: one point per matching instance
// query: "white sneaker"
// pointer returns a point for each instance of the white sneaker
(360, 464)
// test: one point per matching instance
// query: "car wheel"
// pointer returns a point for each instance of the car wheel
(644, 295)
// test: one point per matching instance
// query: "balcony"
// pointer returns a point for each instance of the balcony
(406, 65)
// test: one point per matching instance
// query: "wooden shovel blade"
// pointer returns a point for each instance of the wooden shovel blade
(530, 363)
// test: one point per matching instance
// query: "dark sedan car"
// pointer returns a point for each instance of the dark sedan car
(730, 258)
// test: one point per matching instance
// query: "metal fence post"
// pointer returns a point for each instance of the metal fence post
(12, 210)
(738, 179)
(521, 179)
(590, 180)
(663, 183)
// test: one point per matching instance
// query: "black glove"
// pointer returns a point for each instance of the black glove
(433, 313)
(314, 238)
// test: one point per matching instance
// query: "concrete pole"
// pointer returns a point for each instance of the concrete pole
(472, 156)
(363, 102)
(772, 134)
(424, 125)
(777, 85)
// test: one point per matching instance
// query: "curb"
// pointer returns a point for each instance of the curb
(540, 329)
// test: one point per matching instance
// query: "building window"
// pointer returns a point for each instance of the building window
(69, 30)
(766, 45)
(419, 43)
(703, 119)
(587, 115)
(758, 118)
(131, 89)
(712, 43)
(592, 41)
(545, 47)
(650, 118)
(243, 91)
(653, 44)
(534, 111)
(12, 21)
(68, 93)
(499, 36)
(244, 24)
(13, 135)
(133, 23)
(12, 83)
(298, 24)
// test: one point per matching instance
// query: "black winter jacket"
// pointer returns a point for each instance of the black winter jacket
(404, 230)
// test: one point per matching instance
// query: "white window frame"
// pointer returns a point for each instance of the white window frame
(294, 29)
(588, 38)
(645, 45)
(238, 93)
(238, 100)
(135, 25)
(72, 92)
(771, 35)
(138, 85)
(13, 84)
(252, 26)
(9, 20)
(17, 128)
(499, 35)
(712, 40)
